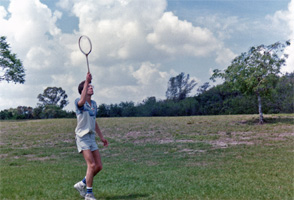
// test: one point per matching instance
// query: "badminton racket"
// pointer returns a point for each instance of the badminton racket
(85, 47)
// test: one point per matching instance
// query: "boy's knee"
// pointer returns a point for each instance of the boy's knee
(98, 168)
(92, 166)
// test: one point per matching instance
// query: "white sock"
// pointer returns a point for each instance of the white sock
(89, 189)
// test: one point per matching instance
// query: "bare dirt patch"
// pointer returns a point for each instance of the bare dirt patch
(34, 157)
(221, 139)
(192, 151)
(225, 143)
(225, 140)
(286, 134)
(138, 137)
(3, 155)
(246, 138)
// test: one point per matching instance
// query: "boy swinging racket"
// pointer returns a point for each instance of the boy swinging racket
(87, 128)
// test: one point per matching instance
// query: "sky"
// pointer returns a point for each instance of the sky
(138, 45)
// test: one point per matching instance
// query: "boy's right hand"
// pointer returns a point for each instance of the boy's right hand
(89, 77)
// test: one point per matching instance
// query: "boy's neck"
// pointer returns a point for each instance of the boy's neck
(88, 99)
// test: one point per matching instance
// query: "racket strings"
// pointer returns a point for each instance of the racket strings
(85, 45)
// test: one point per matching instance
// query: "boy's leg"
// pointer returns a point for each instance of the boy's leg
(98, 163)
(94, 165)
(89, 158)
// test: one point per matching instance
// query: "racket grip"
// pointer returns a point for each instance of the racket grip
(88, 64)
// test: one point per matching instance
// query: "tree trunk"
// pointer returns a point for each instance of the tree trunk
(261, 121)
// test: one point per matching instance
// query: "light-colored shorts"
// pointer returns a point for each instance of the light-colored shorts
(87, 142)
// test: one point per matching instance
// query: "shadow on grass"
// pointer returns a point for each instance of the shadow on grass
(270, 120)
(130, 196)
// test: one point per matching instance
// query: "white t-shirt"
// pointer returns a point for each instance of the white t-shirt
(86, 118)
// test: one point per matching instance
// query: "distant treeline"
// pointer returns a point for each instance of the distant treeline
(40, 112)
(216, 100)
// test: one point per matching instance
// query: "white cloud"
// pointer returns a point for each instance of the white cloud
(118, 28)
(289, 67)
(148, 75)
(13, 95)
(281, 21)
(29, 23)
(131, 40)
(65, 4)
(27, 31)
(177, 37)
(3, 12)
(225, 57)
(284, 19)
(290, 50)
(28, 28)
(180, 38)
(149, 81)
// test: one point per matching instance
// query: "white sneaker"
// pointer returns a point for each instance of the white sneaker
(90, 196)
(81, 188)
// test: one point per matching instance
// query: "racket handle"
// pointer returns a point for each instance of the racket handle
(88, 64)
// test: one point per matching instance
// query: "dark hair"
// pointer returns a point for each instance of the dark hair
(81, 87)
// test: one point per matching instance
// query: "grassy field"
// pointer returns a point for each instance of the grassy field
(201, 157)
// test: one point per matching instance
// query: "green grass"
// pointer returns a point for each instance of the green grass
(201, 157)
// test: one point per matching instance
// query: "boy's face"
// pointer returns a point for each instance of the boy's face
(90, 90)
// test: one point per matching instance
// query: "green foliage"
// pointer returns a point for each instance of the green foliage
(6, 114)
(203, 88)
(255, 72)
(115, 110)
(149, 107)
(21, 112)
(179, 87)
(282, 98)
(128, 109)
(53, 96)
(11, 66)
(52, 111)
(40, 112)
(103, 111)
(217, 100)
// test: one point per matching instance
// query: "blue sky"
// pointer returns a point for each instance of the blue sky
(137, 45)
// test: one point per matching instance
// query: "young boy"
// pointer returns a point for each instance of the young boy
(87, 127)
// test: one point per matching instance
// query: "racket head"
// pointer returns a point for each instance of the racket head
(85, 45)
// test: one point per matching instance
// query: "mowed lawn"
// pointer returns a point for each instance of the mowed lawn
(200, 157)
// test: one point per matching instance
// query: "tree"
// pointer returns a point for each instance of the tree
(128, 109)
(285, 93)
(203, 88)
(282, 98)
(103, 111)
(179, 87)
(149, 107)
(115, 110)
(53, 96)
(53, 111)
(255, 72)
(11, 66)
(24, 112)
(6, 114)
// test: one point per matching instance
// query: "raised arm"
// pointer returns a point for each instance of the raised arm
(84, 92)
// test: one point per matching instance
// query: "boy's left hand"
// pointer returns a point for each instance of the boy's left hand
(105, 142)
